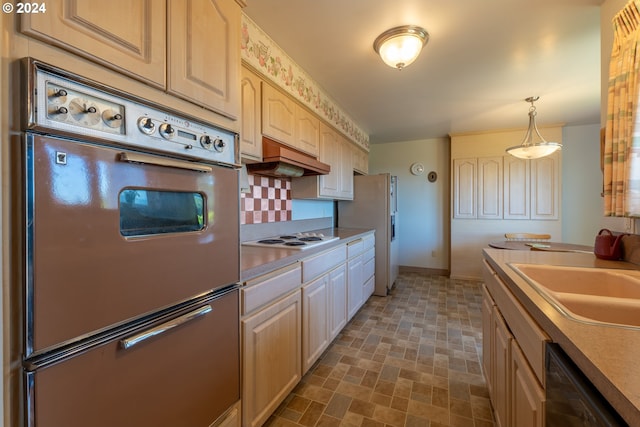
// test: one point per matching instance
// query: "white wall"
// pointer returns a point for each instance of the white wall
(582, 206)
(423, 207)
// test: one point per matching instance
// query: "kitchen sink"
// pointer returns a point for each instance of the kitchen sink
(592, 295)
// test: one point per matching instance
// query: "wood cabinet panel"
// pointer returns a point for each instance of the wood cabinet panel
(132, 43)
(272, 358)
(501, 379)
(315, 320)
(337, 300)
(545, 187)
(307, 131)
(204, 53)
(490, 187)
(354, 285)
(528, 398)
(516, 188)
(251, 113)
(464, 192)
(278, 115)
(487, 340)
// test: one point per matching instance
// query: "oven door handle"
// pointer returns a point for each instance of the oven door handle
(127, 343)
(162, 161)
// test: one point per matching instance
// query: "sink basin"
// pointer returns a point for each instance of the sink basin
(593, 295)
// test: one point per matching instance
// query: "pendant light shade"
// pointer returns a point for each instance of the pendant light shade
(400, 46)
(533, 145)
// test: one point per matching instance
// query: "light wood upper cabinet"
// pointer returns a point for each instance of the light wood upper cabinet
(545, 186)
(190, 49)
(307, 131)
(278, 115)
(360, 160)
(204, 53)
(338, 184)
(464, 181)
(490, 187)
(250, 131)
(516, 188)
(506, 187)
(284, 120)
(129, 37)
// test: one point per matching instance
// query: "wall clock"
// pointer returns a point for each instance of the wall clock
(417, 169)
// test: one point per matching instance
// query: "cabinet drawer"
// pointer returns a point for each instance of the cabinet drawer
(264, 289)
(322, 263)
(369, 241)
(354, 248)
(369, 266)
(528, 334)
(369, 254)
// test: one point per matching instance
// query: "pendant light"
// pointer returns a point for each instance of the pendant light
(400, 46)
(533, 145)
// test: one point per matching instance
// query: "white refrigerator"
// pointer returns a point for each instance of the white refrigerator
(375, 206)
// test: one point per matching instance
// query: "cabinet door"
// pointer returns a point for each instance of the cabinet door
(527, 396)
(330, 154)
(204, 53)
(315, 327)
(354, 285)
(337, 300)
(464, 188)
(129, 37)
(516, 188)
(345, 165)
(487, 340)
(501, 380)
(250, 132)
(307, 132)
(278, 115)
(272, 358)
(545, 187)
(490, 187)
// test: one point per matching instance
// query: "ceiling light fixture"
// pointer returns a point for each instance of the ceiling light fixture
(533, 145)
(400, 46)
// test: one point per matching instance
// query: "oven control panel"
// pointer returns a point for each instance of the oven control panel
(77, 107)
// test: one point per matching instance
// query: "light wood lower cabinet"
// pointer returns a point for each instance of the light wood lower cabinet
(527, 408)
(515, 381)
(271, 327)
(315, 320)
(337, 301)
(272, 358)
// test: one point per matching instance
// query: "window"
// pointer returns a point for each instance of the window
(146, 212)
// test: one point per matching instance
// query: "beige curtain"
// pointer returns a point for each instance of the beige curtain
(622, 134)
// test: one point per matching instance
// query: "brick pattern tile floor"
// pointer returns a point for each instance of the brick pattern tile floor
(412, 359)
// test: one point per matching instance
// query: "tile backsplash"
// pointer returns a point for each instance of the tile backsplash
(268, 200)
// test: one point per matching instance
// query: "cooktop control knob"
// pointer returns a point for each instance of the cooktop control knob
(167, 131)
(112, 118)
(146, 125)
(206, 142)
(219, 145)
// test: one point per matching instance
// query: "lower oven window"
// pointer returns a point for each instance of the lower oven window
(145, 212)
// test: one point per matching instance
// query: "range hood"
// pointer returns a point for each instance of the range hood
(279, 161)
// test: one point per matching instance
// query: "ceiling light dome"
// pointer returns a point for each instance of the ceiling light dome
(533, 145)
(400, 46)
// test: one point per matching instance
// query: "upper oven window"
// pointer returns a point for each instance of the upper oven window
(145, 212)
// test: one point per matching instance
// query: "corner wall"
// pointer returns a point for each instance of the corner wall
(423, 207)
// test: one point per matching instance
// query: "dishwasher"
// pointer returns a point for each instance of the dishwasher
(571, 399)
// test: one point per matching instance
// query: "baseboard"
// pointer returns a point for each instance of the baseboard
(423, 270)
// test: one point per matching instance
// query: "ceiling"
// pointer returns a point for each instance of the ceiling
(484, 57)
